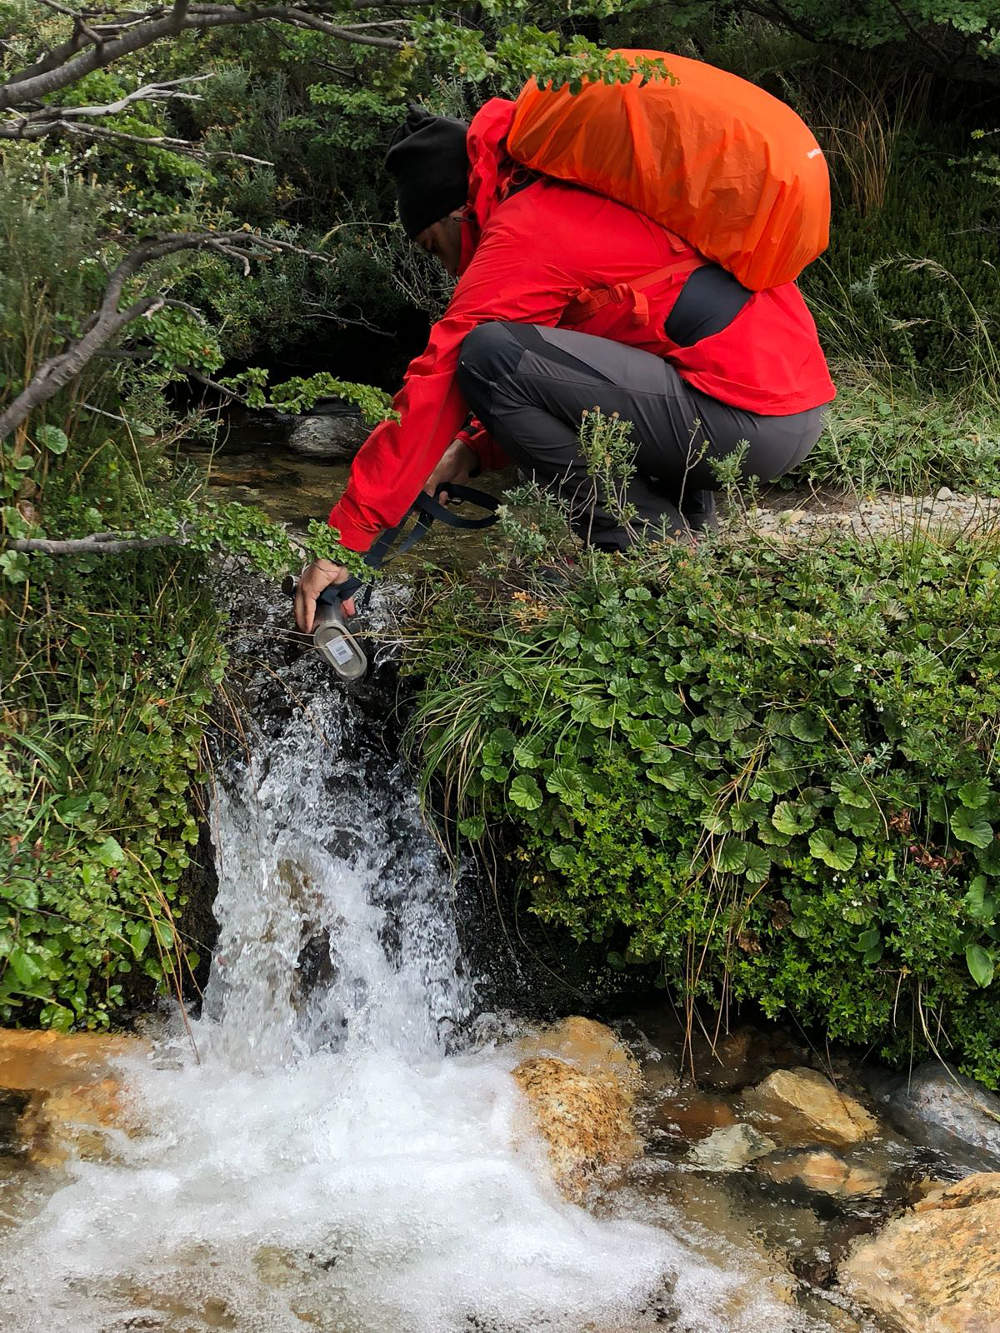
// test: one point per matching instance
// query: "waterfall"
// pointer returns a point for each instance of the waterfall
(331, 1147)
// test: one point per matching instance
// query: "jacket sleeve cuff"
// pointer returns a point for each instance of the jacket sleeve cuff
(491, 458)
(351, 534)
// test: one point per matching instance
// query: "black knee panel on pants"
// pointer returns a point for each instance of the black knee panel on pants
(489, 353)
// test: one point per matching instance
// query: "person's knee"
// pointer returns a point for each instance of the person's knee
(488, 354)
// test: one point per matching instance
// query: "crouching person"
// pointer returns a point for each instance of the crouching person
(567, 301)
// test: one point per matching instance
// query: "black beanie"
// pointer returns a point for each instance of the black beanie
(430, 164)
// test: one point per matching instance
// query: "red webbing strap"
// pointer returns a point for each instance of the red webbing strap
(588, 302)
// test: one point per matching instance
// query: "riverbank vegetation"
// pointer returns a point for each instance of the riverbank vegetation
(751, 769)
(252, 143)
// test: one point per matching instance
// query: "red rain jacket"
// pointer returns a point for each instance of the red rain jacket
(527, 258)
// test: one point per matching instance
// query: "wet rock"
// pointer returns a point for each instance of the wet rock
(936, 1269)
(660, 1073)
(723, 1061)
(591, 1046)
(691, 1115)
(74, 1122)
(250, 428)
(730, 1149)
(945, 1110)
(824, 1172)
(74, 1097)
(581, 1098)
(333, 435)
(740, 1057)
(726, 1063)
(801, 1106)
(920, 1189)
(49, 1061)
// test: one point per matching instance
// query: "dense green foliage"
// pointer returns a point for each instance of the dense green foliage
(108, 664)
(770, 772)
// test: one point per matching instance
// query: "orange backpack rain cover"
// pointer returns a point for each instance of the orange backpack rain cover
(714, 158)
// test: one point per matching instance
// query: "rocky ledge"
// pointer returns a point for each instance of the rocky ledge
(884, 515)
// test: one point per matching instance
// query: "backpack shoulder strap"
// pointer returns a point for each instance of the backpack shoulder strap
(588, 301)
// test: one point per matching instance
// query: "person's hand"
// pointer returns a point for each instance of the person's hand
(315, 579)
(456, 465)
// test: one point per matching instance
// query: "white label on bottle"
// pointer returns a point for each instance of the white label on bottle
(340, 650)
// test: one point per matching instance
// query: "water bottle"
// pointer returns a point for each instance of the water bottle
(333, 640)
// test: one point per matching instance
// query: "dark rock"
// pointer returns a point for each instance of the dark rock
(335, 435)
(944, 1110)
(254, 428)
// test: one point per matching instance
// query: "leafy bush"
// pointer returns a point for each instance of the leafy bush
(769, 772)
(109, 671)
(108, 662)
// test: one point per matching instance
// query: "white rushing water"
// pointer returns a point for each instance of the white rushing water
(325, 1162)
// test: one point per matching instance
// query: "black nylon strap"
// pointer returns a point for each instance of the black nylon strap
(425, 511)
(433, 509)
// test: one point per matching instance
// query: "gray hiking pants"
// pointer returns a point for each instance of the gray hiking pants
(529, 385)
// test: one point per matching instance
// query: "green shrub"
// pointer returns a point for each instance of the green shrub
(109, 666)
(108, 662)
(769, 772)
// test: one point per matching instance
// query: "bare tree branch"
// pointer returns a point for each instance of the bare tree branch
(99, 44)
(109, 320)
(27, 129)
(150, 92)
(100, 543)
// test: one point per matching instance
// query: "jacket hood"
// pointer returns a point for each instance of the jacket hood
(489, 168)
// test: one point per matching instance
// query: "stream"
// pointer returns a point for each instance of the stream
(336, 1142)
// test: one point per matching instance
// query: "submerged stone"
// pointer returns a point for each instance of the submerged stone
(74, 1094)
(824, 1172)
(693, 1115)
(802, 1106)
(730, 1148)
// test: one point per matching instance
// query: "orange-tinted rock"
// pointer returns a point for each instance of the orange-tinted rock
(47, 1061)
(590, 1046)
(936, 1269)
(74, 1092)
(581, 1090)
(824, 1172)
(800, 1106)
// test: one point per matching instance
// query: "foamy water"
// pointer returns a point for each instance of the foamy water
(333, 1157)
